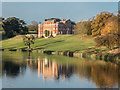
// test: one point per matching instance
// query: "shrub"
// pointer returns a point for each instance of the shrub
(110, 40)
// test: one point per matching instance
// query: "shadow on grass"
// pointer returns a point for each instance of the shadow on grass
(11, 48)
(15, 49)
(38, 48)
(51, 43)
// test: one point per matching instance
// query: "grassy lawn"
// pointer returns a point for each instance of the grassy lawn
(59, 43)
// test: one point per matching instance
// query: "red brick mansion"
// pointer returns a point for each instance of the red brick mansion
(55, 26)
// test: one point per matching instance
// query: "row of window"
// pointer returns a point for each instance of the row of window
(55, 29)
(49, 29)
(52, 32)
(49, 25)
(54, 25)
(48, 22)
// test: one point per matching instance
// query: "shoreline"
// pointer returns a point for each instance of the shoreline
(112, 57)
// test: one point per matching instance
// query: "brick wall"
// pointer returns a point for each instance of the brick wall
(61, 27)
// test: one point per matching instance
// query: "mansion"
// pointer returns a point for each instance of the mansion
(55, 26)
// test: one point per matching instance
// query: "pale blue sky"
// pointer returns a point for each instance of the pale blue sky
(38, 11)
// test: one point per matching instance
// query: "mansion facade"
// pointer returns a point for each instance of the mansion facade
(55, 26)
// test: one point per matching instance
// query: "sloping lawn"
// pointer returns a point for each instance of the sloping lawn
(59, 43)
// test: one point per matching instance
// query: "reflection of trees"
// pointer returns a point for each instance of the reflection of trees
(0, 66)
(101, 73)
(12, 69)
(83, 70)
(32, 64)
(65, 71)
(104, 75)
(119, 77)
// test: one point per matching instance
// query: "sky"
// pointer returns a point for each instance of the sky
(38, 11)
(60, 0)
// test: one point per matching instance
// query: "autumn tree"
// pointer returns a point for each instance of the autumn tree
(109, 40)
(99, 22)
(83, 27)
(110, 35)
(111, 26)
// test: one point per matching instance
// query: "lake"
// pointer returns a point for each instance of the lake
(37, 70)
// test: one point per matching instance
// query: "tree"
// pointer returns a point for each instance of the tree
(111, 26)
(83, 27)
(99, 22)
(13, 26)
(110, 35)
(33, 26)
(28, 40)
(23, 28)
(109, 40)
(1, 18)
(1, 23)
(34, 23)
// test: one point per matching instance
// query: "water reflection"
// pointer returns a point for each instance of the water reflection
(102, 74)
(12, 69)
(50, 69)
(47, 69)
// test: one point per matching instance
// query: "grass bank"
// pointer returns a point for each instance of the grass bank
(59, 43)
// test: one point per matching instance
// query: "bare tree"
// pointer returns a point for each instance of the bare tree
(83, 27)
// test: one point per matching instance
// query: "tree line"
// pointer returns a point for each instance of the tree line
(13, 26)
(104, 27)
